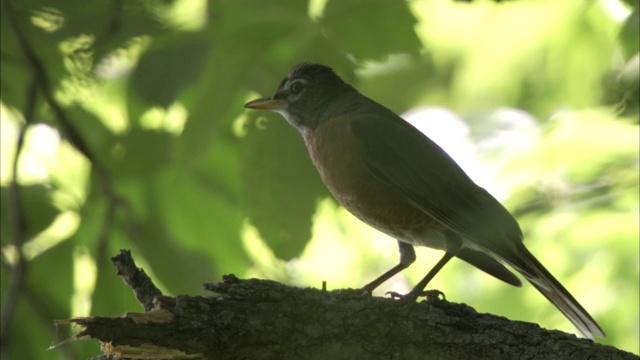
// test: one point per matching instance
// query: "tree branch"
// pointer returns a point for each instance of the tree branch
(262, 319)
(137, 279)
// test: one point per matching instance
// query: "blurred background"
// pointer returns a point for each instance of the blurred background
(122, 126)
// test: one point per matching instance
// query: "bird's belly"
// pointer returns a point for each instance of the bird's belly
(395, 218)
(340, 162)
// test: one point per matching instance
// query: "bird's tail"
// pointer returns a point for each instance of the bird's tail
(551, 288)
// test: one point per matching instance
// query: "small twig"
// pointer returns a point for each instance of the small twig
(16, 214)
(116, 20)
(136, 278)
(16, 279)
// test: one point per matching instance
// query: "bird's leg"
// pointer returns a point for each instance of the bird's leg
(454, 243)
(407, 257)
(419, 290)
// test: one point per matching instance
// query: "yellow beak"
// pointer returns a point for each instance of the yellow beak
(265, 104)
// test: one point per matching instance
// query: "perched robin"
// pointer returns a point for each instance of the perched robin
(394, 178)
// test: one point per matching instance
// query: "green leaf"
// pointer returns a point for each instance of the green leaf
(36, 207)
(281, 187)
(56, 293)
(140, 153)
(111, 23)
(18, 73)
(199, 211)
(371, 30)
(15, 75)
(46, 297)
(242, 36)
(100, 139)
(180, 268)
(167, 68)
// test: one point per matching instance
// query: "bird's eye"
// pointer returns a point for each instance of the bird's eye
(297, 87)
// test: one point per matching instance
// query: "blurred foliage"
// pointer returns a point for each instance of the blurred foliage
(135, 137)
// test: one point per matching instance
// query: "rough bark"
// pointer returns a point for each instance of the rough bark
(262, 319)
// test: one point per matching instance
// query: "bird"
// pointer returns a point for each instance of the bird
(397, 180)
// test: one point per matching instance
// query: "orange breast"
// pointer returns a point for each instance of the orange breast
(339, 158)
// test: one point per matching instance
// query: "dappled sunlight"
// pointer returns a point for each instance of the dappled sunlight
(47, 162)
(187, 15)
(61, 229)
(171, 120)
(84, 280)
(48, 19)
(9, 127)
(41, 142)
(69, 173)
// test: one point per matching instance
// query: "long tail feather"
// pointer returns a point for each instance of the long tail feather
(551, 288)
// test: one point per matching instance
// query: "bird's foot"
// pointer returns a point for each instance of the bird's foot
(414, 295)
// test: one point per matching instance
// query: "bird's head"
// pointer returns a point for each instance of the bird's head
(309, 94)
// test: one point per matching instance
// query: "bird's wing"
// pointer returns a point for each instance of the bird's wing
(416, 168)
